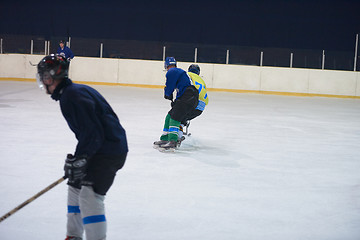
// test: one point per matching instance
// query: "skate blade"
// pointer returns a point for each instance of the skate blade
(166, 150)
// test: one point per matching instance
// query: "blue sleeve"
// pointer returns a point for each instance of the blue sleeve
(69, 53)
(171, 79)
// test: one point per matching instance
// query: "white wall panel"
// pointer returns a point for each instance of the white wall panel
(236, 77)
(332, 82)
(220, 76)
(30, 71)
(13, 65)
(94, 69)
(284, 80)
(141, 72)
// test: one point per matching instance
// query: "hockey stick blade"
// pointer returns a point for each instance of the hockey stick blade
(32, 64)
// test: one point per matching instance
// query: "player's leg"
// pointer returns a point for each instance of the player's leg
(185, 105)
(173, 130)
(165, 133)
(173, 135)
(74, 220)
(93, 213)
(191, 115)
(180, 109)
(164, 136)
(181, 131)
(100, 176)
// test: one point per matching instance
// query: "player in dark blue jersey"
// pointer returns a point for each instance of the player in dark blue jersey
(65, 51)
(186, 101)
(100, 152)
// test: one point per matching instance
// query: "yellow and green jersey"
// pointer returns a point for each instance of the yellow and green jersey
(201, 87)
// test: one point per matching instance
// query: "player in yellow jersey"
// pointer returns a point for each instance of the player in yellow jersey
(194, 72)
(198, 82)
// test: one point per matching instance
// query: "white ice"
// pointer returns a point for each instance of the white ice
(255, 167)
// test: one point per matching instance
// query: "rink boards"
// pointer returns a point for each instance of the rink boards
(220, 77)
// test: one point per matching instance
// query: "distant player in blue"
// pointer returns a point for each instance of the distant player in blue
(186, 101)
(65, 51)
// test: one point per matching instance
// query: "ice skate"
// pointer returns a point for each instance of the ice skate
(169, 146)
(157, 144)
(73, 238)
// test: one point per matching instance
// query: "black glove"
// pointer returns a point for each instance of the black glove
(75, 168)
(168, 97)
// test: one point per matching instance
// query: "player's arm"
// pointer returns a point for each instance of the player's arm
(71, 54)
(170, 84)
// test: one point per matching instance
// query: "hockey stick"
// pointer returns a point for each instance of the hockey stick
(32, 64)
(32, 198)
(187, 128)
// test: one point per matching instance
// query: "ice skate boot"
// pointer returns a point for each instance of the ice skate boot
(170, 146)
(158, 143)
(73, 238)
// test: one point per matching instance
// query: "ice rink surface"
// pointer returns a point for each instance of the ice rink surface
(256, 167)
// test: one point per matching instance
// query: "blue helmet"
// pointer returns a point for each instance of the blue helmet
(194, 68)
(169, 61)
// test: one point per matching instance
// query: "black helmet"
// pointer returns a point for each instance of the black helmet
(50, 68)
(56, 65)
(194, 68)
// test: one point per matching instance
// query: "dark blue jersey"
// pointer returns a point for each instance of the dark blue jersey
(66, 52)
(90, 117)
(176, 79)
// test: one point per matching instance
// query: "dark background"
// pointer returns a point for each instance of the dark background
(293, 24)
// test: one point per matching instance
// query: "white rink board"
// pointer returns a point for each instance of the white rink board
(141, 72)
(219, 76)
(92, 70)
(335, 82)
(236, 77)
(285, 80)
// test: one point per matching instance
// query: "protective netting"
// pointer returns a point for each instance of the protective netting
(202, 53)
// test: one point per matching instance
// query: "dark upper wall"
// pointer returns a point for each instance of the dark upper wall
(330, 25)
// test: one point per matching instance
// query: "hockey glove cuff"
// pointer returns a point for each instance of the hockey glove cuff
(168, 97)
